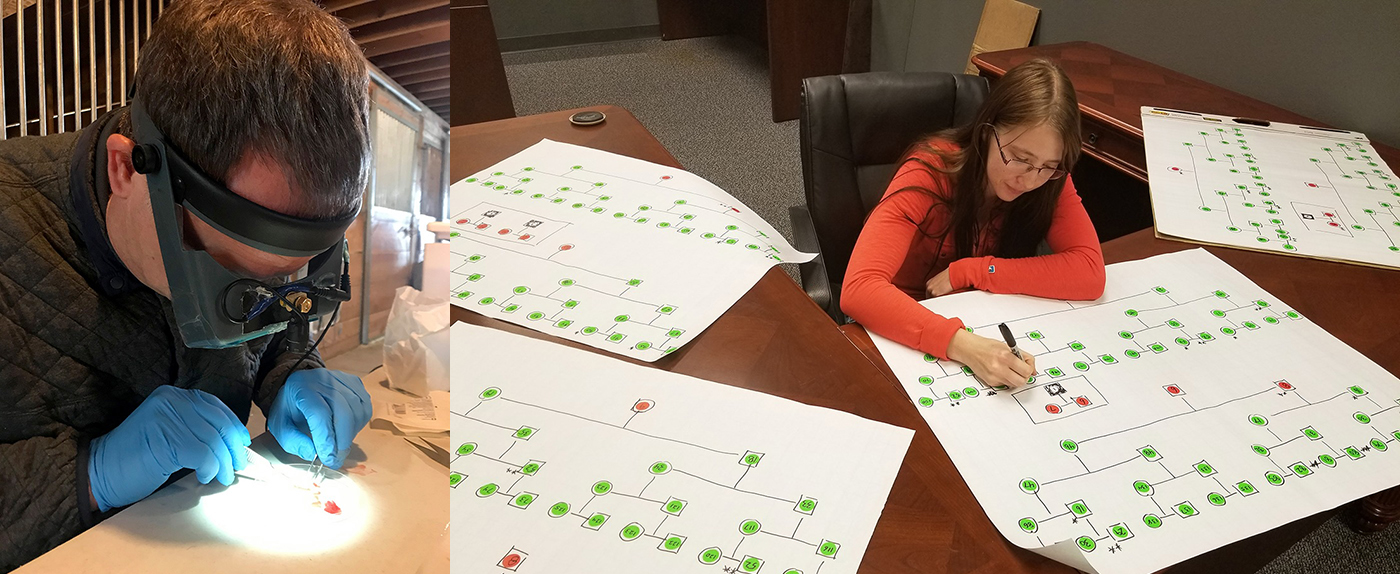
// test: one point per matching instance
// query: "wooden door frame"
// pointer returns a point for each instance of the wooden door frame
(393, 104)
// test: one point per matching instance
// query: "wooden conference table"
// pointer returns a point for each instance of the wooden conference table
(776, 340)
(1326, 293)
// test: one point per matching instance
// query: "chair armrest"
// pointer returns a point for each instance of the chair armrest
(814, 278)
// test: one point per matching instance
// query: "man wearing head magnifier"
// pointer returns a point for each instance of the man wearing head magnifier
(160, 271)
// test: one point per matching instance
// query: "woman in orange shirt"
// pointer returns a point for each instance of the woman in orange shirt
(968, 208)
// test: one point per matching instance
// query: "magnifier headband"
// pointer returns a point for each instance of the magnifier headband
(228, 212)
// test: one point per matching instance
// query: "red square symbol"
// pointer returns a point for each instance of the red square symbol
(511, 560)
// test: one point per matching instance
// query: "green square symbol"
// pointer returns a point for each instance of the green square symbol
(596, 521)
(523, 500)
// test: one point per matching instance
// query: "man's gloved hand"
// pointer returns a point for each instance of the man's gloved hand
(172, 429)
(318, 413)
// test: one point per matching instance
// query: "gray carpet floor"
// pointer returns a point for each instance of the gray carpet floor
(707, 101)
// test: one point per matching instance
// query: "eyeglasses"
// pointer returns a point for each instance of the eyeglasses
(1026, 167)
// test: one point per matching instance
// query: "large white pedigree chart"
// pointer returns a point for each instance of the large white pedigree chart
(614, 252)
(1184, 410)
(569, 461)
(1284, 188)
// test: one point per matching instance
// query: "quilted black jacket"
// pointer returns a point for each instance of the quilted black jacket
(82, 342)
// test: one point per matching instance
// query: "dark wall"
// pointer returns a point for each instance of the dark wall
(529, 18)
(1338, 62)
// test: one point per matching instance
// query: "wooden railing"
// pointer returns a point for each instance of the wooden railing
(64, 62)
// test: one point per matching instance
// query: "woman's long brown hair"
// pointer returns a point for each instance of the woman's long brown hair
(1033, 93)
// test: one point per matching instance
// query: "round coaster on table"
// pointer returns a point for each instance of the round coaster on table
(587, 118)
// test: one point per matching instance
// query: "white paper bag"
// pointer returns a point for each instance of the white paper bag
(416, 342)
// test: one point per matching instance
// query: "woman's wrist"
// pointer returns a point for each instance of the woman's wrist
(955, 345)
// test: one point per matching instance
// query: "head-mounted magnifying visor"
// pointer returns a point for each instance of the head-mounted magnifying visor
(216, 307)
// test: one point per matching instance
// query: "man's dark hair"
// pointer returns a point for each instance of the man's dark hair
(280, 78)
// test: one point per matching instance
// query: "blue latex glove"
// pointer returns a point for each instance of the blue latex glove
(172, 429)
(318, 413)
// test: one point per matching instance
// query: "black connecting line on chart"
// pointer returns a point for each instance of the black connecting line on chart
(595, 201)
(1081, 360)
(669, 507)
(1147, 456)
(1253, 192)
(1071, 393)
(557, 306)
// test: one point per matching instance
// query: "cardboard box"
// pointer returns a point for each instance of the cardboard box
(1005, 25)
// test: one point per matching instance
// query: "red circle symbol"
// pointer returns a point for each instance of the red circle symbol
(1083, 402)
(1285, 385)
(566, 247)
(511, 560)
(665, 177)
(1052, 409)
(503, 232)
(1328, 214)
(1312, 185)
(1176, 169)
(525, 237)
(1174, 390)
(482, 226)
(1333, 224)
(461, 221)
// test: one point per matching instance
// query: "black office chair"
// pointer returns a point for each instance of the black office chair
(854, 128)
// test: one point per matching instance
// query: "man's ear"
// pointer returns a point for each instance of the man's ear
(121, 175)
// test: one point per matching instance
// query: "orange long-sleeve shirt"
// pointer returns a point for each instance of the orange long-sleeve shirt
(893, 261)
